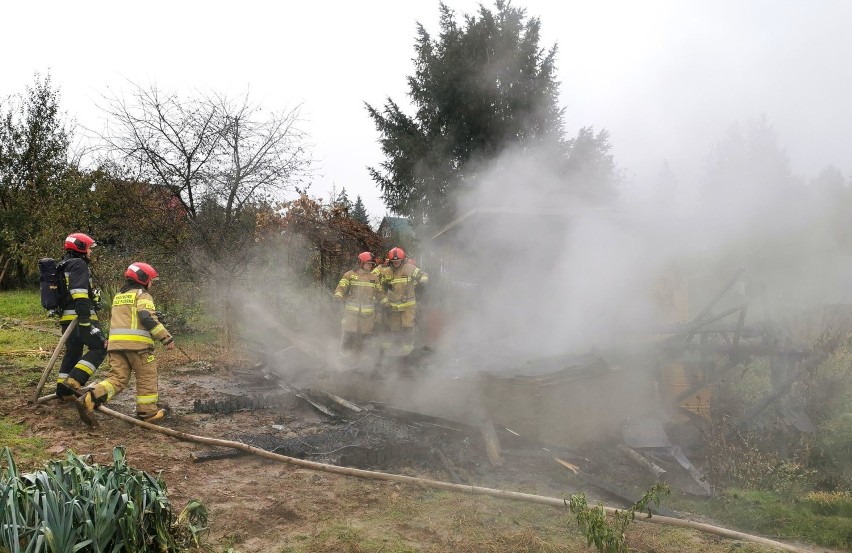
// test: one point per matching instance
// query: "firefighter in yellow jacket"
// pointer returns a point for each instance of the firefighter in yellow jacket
(361, 293)
(399, 280)
(133, 329)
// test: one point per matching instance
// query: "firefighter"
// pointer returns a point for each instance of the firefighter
(399, 280)
(361, 292)
(79, 300)
(133, 329)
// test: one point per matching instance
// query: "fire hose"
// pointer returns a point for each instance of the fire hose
(62, 340)
(475, 490)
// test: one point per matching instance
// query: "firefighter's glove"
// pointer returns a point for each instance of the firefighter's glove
(160, 316)
(96, 299)
(97, 338)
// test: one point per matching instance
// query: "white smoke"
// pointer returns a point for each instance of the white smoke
(553, 275)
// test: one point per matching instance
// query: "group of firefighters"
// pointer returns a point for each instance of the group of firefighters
(380, 299)
(130, 345)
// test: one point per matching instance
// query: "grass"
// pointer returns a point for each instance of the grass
(419, 520)
(824, 519)
(27, 450)
(21, 304)
(348, 537)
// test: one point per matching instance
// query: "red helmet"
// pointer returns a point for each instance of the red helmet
(366, 257)
(395, 254)
(141, 273)
(79, 242)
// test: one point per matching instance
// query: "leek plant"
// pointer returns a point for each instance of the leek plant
(71, 506)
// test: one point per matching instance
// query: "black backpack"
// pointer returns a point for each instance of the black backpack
(51, 283)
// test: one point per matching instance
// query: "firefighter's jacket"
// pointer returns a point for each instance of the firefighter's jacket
(361, 291)
(399, 285)
(134, 324)
(79, 299)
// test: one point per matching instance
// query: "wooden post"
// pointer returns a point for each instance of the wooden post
(5, 266)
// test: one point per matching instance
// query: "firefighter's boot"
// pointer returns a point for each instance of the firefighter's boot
(68, 389)
(160, 414)
(86, 405)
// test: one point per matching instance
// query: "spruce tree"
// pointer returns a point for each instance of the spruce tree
(359, 212)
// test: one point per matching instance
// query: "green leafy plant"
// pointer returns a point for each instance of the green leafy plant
(606, 536)
(72, 506)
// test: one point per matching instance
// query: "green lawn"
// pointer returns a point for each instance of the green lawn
(28, 450)
(824, 519)
(22, 304)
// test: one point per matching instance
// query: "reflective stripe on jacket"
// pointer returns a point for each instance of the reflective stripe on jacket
(134, 323)
(399, 285)
(362, 291)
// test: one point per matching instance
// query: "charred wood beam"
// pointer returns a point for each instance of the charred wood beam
(420, 418)
(677, 454)
(239, 403)
(722, 291)
(693, 327)
(638, 459)
(742, 348)
(703, 318)
(301, 394)
(614, 490)
(346, 404)
(215, 455)
(449, 466)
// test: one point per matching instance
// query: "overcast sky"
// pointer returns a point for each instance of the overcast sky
(665, 78)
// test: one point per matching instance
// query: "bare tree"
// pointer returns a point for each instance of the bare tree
(222, 160)
(260, 157)
(164, 140)
(216, 156)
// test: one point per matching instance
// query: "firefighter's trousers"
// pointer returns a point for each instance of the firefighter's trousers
(121, 364)
(355, 341)
(399, 338)
(76, 368)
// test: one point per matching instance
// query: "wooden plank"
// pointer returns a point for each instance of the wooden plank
(492, 443)
(637, 458)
